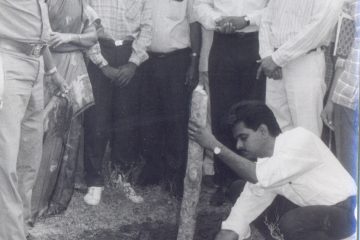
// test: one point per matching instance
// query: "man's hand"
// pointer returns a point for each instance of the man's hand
(226, 235)
(110, 72)
(56, 38)
(202, 135)
(224, 26)
(126, 73)
(327, 114)
(60, 82)
(231, 24)
(192, 74)
(268, 66)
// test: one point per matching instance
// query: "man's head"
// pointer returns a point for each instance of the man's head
(254, 128)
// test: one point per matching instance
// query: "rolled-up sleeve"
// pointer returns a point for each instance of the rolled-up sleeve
(143, 40)
(251, 203)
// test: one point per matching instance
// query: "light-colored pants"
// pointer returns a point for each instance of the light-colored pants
(21, 130)
(297, 99)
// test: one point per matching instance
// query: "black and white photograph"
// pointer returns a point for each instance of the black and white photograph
(179, 119)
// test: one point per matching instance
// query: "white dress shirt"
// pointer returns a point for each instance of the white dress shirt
(171, 25)
(208, 11)
(302, 169)
(294, 27)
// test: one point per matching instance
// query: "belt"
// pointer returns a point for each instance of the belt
(321, 48)
(239, 34)
(29, 49)
(349, 203)
(168, 54)
(108, 42)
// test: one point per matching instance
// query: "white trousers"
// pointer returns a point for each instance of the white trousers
(297, 99)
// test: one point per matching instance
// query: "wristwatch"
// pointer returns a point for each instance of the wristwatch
(217, 150)
(246, 18)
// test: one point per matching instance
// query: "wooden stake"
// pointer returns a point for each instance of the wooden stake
(193, 176)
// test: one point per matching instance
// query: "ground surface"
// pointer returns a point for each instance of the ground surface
(117, 218)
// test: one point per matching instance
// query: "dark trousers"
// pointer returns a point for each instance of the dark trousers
(165, 111)
(114, 117)
(232, 78)
(318, 222)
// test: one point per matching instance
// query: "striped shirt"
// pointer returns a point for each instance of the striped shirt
(294, 27)
(124, 19)
(208, 11)
(346, 92)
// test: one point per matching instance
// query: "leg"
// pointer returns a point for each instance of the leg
(152, 125)
(318, 222)
(21, 73)
(125, 119)
(276, 100)
(305, 90)
(97, 122)
(30, 149)
(346, 137)
(175, 104)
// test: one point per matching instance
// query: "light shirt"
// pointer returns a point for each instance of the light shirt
(124, 19)
(24, 21)
(302, 169)
(208, 11)
(171, 25)
(346, 92)
(294, 27)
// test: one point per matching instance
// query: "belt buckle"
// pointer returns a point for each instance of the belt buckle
(119, 43)
(37, 50)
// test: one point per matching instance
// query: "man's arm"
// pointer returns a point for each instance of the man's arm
(206, 14)
(250, 204)
(143, 40)
(242, 166)
(139, 46)
(326, 13)
(265, 46)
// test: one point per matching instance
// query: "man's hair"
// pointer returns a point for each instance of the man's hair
(253, 114)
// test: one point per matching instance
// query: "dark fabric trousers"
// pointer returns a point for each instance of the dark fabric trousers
(318, 222)
(165, 112)
(114, 117)
(232, 78)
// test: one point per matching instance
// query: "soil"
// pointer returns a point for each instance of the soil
(117, 218)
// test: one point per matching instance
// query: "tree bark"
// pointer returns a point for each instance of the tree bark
(193, 176)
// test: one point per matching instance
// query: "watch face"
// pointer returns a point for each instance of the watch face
(217, 150)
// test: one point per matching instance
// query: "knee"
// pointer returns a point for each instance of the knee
(288, 226)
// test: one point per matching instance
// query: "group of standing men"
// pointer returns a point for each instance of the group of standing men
(142, 86)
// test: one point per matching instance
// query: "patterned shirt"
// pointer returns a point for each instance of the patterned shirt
(124, 19)
(294, 27)
(346, 92)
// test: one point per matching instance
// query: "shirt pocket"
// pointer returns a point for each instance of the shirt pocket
(133, 9)
(177, 10)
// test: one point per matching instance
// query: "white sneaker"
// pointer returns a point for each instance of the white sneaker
(93, 195)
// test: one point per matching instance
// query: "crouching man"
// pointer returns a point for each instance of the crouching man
(294, 164)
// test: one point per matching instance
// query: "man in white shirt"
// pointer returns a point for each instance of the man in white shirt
(167, 80)
(292, 37)
(232, 61)
(295, 164)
